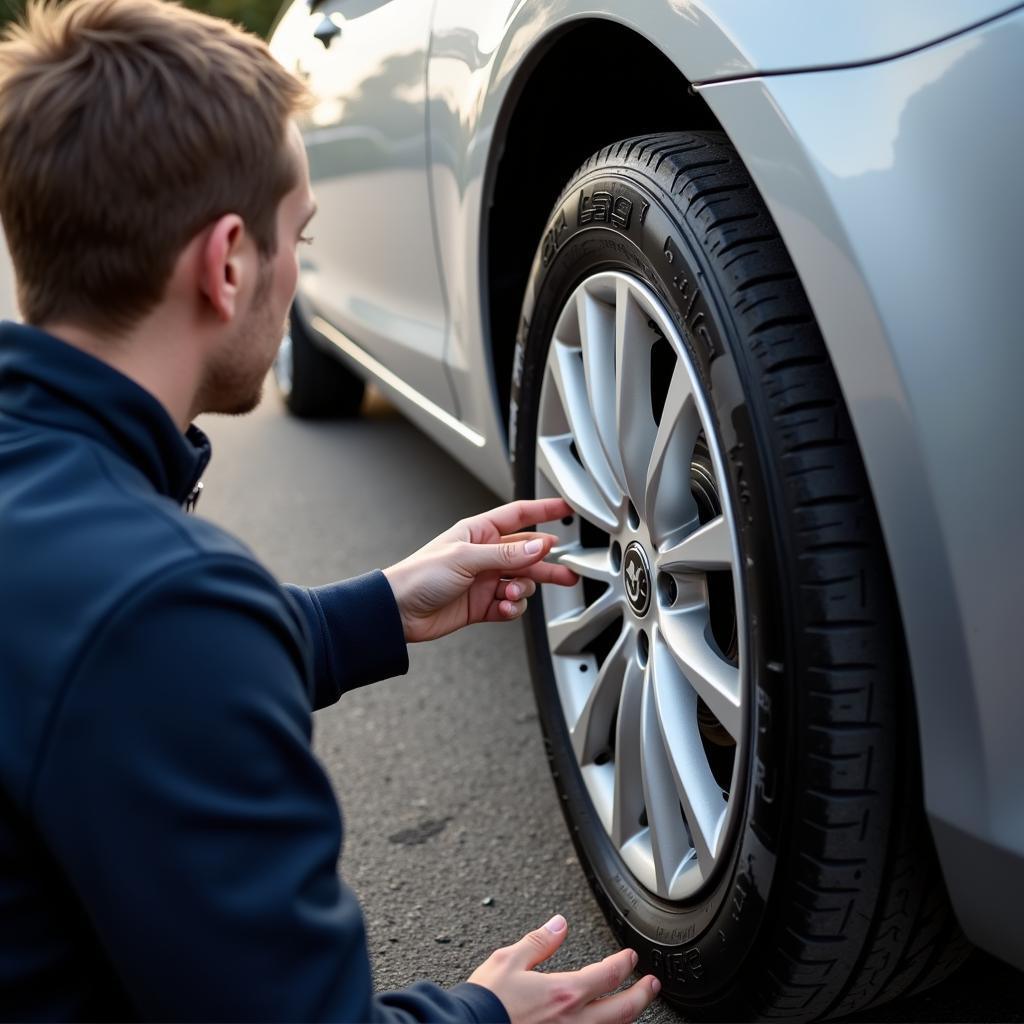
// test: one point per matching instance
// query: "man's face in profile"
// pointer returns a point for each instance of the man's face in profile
(235, 376)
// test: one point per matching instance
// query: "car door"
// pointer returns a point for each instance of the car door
(372, 270)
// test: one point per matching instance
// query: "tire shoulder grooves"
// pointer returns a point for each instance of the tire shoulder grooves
(865, 984)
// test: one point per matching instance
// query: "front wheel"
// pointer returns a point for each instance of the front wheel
(724, 695)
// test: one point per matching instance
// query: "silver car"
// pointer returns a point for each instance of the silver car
(739, 281)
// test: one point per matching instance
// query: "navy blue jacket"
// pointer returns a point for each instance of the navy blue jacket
(168, 841)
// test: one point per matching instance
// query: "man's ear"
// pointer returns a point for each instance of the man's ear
(222, 264)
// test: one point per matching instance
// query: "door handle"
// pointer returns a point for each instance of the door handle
(327, 31)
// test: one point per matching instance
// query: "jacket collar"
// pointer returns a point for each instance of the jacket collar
(46, 381)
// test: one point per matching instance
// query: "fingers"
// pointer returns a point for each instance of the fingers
(510, 596)
(512, 538)
(535, 947)
(542, 571)
(624, 1006)
(515, 589)
(518, 514)
(606, 975)
(530, 995)
(507, 557)
(524, 535)
(510, 599)
(505, 611)
(546, 572)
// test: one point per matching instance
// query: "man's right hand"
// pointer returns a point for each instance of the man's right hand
(531, 997)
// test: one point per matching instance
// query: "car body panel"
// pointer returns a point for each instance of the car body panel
(906, 241)
(372, 269)
(479, 51)
(908, 245)
(739, 38)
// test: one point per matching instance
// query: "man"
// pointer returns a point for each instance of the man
(168, 843)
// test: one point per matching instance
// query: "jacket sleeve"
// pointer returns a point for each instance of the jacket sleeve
(357, 634)
(179, 794)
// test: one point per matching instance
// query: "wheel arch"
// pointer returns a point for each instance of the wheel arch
(551, 108)
(823, 225)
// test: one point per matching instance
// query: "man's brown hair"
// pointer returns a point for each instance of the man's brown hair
(126, 126)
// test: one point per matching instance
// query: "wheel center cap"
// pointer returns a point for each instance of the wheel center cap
(636, 573)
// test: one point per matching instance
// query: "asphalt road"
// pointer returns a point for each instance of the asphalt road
(454, 840)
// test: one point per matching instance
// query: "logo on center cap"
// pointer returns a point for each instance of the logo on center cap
(637, 575)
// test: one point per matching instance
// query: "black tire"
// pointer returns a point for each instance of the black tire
(830, 897)
(313, 383)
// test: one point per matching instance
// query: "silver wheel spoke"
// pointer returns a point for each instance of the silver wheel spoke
(570, 633)
(669, 841)
(629, 787)
(715, 680)
(596, 325)
(668, 499)
(590, 563)
(567, 372)
(634, 415)
(698, 793)
(572, 481)
(592, 732)
(707, 549)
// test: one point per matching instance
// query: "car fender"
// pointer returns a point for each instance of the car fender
(896, 340)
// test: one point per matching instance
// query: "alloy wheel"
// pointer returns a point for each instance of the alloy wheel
(648, 649)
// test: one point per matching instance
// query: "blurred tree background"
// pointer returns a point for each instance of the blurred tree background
(255, 15)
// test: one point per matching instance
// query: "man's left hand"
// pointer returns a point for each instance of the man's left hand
(481, 570)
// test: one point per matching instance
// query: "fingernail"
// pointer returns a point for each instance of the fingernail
(507, 607)
(533, 546)
(556, 925)
(513, 591)
(633, 957)
(655, 986)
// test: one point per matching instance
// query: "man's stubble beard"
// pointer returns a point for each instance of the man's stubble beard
(234, 380)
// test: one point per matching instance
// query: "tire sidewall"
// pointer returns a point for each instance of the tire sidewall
(618, 219)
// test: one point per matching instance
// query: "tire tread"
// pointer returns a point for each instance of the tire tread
(854, 928)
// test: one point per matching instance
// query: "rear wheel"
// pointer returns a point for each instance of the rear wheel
(312, 383)
(724, 694)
